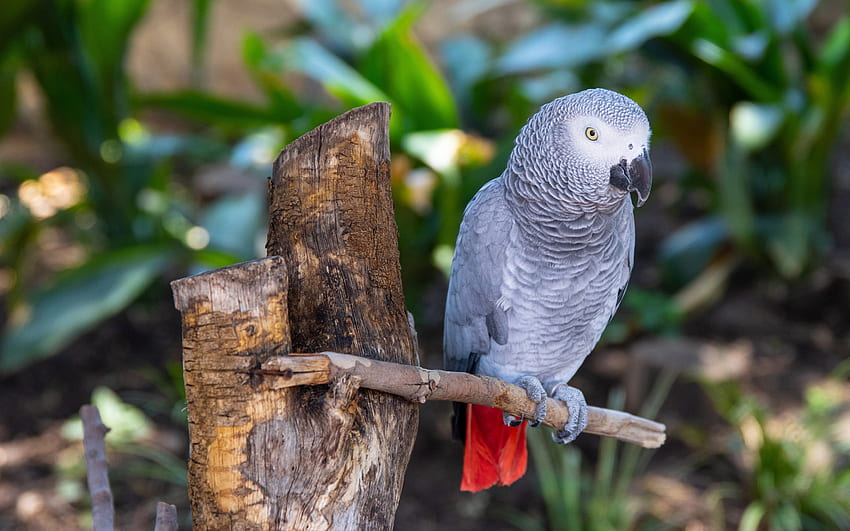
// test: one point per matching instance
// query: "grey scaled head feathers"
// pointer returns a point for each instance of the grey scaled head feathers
(584, 151)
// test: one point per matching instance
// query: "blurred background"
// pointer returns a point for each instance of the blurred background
(136, 137)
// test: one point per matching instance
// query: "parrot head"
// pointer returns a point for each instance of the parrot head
(591, 147)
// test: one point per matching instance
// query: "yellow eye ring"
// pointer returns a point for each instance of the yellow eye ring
(591, 134)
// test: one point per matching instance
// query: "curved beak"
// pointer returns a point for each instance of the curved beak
(634, 176)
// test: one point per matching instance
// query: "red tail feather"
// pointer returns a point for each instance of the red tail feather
(494, 454)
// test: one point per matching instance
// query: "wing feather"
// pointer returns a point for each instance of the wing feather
(473, 316)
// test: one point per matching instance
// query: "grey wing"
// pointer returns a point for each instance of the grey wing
(473, 316)
(626, 270)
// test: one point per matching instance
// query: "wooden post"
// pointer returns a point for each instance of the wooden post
(321, 457)
(234, 319)
(331, 218)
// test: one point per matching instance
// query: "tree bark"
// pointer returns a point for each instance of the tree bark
(321, 457)
(332, 220)
(234, 319)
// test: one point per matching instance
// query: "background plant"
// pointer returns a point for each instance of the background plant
(793, 469)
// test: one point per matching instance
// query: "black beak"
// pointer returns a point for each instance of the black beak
(634, 176)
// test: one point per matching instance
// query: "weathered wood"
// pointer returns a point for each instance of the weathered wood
(166, 517)
(418, 384)
(332, 221)
(234, 319)
(264, 457)
(97, 469)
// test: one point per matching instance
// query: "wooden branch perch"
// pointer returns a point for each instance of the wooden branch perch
(418, 385)
(97, 469)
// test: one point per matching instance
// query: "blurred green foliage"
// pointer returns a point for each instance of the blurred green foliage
(774, 97)
(133, 220)
(779, 93)
(751, 95)
(794, 470)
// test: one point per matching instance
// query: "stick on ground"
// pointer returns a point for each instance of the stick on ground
(418, 385)
(97, 469)
(166, 517)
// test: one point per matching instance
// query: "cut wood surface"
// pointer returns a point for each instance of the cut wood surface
(418, 385)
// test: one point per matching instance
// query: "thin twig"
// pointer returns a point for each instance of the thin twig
(418, 384)
(97, 469)
(166, 517)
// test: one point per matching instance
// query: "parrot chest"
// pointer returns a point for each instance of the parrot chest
(558, 296)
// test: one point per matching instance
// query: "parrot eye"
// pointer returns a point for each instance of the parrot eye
(591, 133)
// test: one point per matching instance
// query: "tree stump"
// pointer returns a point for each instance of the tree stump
(331, 218)
(320, 457)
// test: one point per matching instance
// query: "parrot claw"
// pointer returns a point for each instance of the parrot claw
(535, 391)
(574, 399)
(511, 420)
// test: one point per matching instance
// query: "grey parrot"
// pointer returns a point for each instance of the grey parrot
(543, 258)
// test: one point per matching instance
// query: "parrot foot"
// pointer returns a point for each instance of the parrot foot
(535, 391)
(574, 399)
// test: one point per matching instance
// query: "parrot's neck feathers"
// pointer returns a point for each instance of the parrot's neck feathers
(549, 218)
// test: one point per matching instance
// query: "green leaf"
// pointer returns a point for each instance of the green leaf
(714, 23)
(399, 64)
(64, 71)
(200, 24)
(661, 19)
(78, 301)
(752, 517)
(786, 517)
(740, 72)
(308, 57)
(266, 69)
(126, 423)
(553, 46)
(836, 46)
(8, 97)
(211, 109)
(106, 26)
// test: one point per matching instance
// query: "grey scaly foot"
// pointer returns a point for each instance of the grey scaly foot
(535, 391)
(574, 399)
